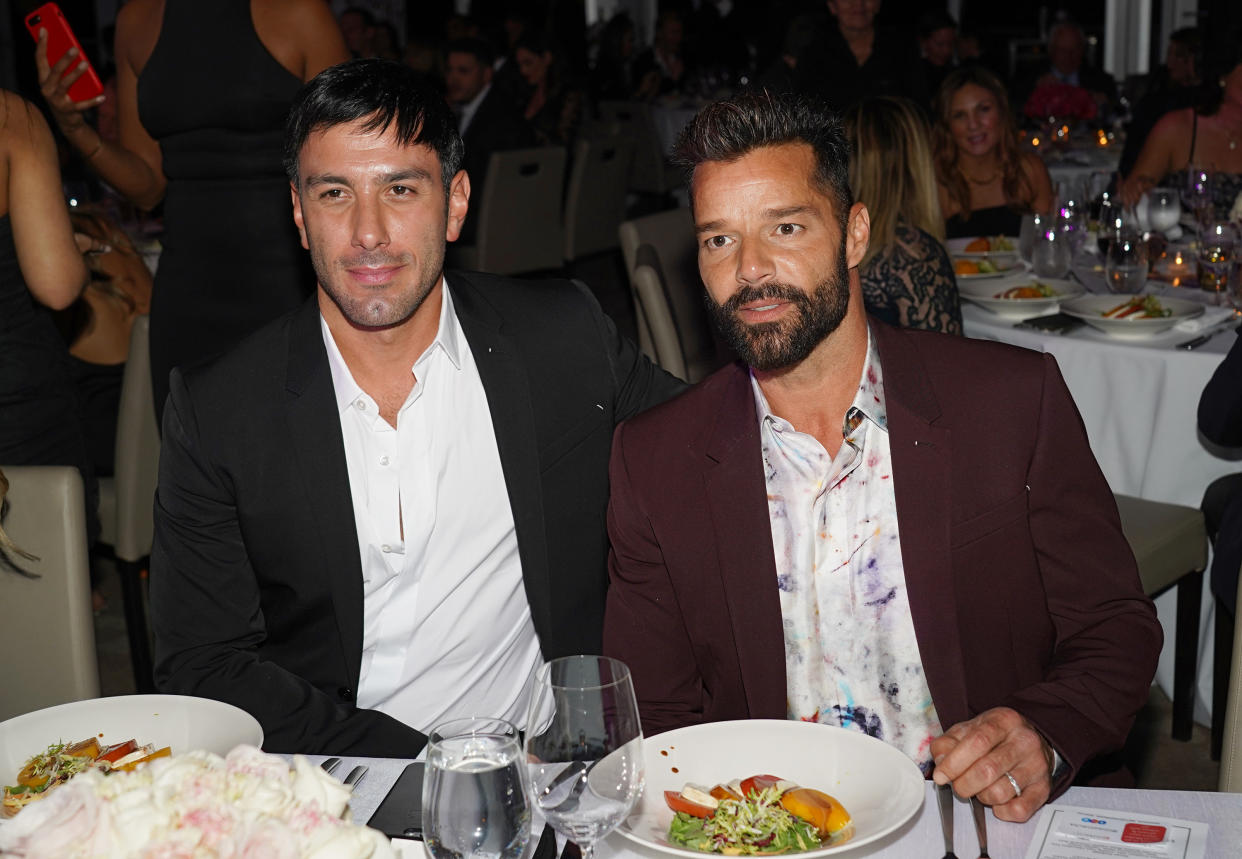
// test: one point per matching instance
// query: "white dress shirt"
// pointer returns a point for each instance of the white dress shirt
(447, 629)
(466, 112)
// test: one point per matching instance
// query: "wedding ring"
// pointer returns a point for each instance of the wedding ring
(1017, 791)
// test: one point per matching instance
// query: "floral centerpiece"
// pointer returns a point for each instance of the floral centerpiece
(1060, 101)
(249, 804)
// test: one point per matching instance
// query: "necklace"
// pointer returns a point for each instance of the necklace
(989, 180)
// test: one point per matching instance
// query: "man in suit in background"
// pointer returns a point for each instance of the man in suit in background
(385, 509)
(890, 531)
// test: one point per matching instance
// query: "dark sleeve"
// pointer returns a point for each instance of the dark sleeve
(912, 281)
(207, 613)
(1220, 405)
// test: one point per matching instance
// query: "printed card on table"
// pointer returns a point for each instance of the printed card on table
(1065, 832)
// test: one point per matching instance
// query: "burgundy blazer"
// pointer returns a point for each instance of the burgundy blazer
(1023, 590)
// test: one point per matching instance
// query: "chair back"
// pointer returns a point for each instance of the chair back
(595, 202)
(1231, 750)
(519, 228)
(45, 604)
(137, 450)
(651, 305)
(649, 170)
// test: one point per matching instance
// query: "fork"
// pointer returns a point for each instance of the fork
(944, 794)
(355, 775)
(981, 826)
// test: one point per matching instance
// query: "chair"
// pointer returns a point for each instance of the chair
(519, 212)
(1170, 545)
(126, 500)
(650, 172)
(45, 604)
(654, 316)
(1231, 724)
(671, 237)
(595, 202)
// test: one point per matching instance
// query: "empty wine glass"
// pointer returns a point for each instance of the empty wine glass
(1217, 251)
(1164, 209)
(1197, 194)
(475, 796)
(584, 747)
(1125, 269)
(1051, 253)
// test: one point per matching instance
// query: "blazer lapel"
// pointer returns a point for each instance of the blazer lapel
(737, 501)
(923, 474)
(314, 430)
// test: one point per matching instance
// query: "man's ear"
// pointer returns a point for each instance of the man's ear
(458, 205)
(297, 214)
(857, 235)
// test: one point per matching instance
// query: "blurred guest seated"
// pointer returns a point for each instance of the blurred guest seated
(358, 28)
(614, 77)
(1220, 421)
(422, 54)
(906, 275)
(850, 58)
(1067, 66)
(665, 56)
(1208, 135)
(780, 76)
(554, 109)
(487, 121)
(937, 32)
(986, 182)
(1174, 86)
(97, 328)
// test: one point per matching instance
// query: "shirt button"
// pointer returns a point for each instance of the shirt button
(362, 406)
(383, 460)
(385, 548)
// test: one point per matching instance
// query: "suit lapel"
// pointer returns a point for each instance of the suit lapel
(314, 429)
(736, 498)
(923, 474)
(513, 420)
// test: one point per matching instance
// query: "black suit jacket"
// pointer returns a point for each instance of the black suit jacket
(497, 125)
(256, 584)
(1220, 421)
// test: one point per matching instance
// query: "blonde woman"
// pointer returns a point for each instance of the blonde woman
(907, 277)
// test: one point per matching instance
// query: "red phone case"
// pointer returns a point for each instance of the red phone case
(60, 39)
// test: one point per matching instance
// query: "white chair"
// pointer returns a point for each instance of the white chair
(595, 201)
(45, 604)
(126, 500)
(519, 214)
(1231, 728)
(651, 307)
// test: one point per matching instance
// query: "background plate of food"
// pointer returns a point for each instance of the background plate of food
(179, 723)
(1136, 317)
(876, 785)
(983, 257)
(1021, 298)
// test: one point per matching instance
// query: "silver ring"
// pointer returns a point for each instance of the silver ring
(1017, 791)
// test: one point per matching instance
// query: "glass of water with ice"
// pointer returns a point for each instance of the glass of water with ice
(475, 799)
(584, 747)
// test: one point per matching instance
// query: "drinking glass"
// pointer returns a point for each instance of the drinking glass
(1197, 195)
(1217, 248)
(584, 747)
(1164, 210)
(1125, 269)
(475, 795)
(1051, 253)
(1032, 225)
(1071, 220)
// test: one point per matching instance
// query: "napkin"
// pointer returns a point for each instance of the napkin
(1210, 318)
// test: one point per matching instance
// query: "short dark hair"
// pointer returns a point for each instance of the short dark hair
(382, 93)
(727, 130)
(933, 20)
(475, 47)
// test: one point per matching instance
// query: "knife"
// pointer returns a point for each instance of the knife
(1203, 338)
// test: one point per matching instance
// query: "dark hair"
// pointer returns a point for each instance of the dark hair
(477, 48)
(1222, 54)
(381, 93)
(728, 129)
(933, 20)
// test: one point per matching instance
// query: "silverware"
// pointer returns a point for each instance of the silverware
(1203, 338)
(329, 765)
(355, 775)
(944, 794)
(981, 826)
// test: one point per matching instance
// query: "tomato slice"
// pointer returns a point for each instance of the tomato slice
(758, 783)
(114, 753)
(677, 802)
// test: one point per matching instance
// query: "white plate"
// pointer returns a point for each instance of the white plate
(878, 785)
(1090, 309)
(957, 247)
(180, 722)
(984, 295)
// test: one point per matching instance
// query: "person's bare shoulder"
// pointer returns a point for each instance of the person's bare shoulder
(22, 126)
(138, 26)
(302, 35)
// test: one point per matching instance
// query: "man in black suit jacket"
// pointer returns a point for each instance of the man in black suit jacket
(257, 584)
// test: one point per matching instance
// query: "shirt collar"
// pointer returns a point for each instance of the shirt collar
(448, 340)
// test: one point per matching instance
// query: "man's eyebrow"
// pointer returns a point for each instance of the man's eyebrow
(770, 214)
(708, 226)
(412, 174)
(325, 179)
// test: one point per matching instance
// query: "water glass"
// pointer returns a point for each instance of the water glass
(1032, 225)
(1197, 194)
(1051, 253)
(476, 802)
(1164, 209)
(584, 747)
(1125, 269)
(1217, 252)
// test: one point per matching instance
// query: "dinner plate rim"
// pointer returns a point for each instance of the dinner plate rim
(1130, 327)
(1025, 308)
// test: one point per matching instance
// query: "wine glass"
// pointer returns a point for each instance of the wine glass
(1164, 210)
(1125, 269)
(475, 795)
(1051, 253)
(1032, 225)
(1217, 248)
(584, 747)
(1197, 195)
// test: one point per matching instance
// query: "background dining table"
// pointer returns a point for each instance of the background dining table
(921, 837)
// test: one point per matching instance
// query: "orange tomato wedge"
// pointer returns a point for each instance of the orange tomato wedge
(816, 808)
(758, 783)
(979, 245)
(677, 802)
(160, 753)
(723, 791)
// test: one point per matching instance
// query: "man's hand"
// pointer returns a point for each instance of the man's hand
(976, 755)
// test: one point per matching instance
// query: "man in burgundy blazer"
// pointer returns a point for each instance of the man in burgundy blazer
(1022, 589)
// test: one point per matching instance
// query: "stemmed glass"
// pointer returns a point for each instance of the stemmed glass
(1164, 210)
(1125, 270)
(475, 794)
(1197, 195)
(584, 747)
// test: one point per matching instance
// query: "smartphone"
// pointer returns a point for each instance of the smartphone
(60, 39)
(400, 815)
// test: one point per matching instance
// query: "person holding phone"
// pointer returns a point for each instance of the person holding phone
(202, 92)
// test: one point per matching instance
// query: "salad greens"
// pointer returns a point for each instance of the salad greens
(746, 827)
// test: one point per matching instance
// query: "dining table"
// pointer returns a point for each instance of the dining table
(918, 838)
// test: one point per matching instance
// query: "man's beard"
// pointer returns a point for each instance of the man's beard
(387, 307)
(773, 345)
